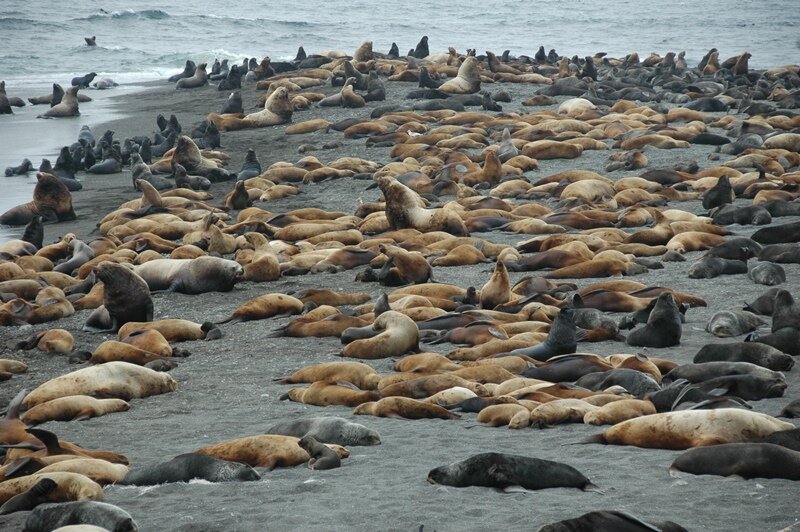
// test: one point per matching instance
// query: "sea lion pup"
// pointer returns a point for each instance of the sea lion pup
(174, 330)
(719, 194)
(233, 105)
(733, 323)
(328, 430)
(663, 328)
(357, 373)
(126, 297)
(112, 379)
(767, 273)
(392, 334)
(191, 276)
(405, 210)
(264, 450)
(745, 460)
(190, 466)
(52, 341)
(619, 411)
(504, 471)
(184, 180)
(278, 109)
(691, 428)
(467, 81)
(497, 289)
(72, 408)
(199, 78)
(753, 352)
(52, 201)
(403, 408)
(66, 108)
(561, 340)
(48, 517)
(71, 487)
(266, 306)
(322, 457)
(30, 499)
(403, 267)
(610, 521)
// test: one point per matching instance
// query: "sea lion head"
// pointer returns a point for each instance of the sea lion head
(279, 103)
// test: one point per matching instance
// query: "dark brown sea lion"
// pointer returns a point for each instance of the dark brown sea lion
(746, 460)
(51, 200)
(126, 297)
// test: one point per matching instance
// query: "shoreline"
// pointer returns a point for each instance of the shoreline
(226, 387)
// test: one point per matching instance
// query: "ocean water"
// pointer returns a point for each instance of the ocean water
(43, 43)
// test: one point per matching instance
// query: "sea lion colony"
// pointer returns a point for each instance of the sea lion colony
(446, 174)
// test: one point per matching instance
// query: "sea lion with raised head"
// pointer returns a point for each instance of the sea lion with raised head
(561, 340)
(126, 297)
(663, 328)
(405, 209)
(328, 430)
(467, 81)
(51, 200)
(321, 456)
(199, 78)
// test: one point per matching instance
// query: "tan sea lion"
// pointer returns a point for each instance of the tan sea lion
(404, 408)
(497, 289)
(619, 411)
(199, 79)
(51, 200)
(278, 109)
(72, 407)
(404, 209)
(67, 107)
(467, 81)
(265, 450)
(514, 415)
(392, 334)
(174, 330)
(71, 487)
(50, 341)
(328, 393)
(357, 373)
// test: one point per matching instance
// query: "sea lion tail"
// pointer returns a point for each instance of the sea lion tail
(230, 319)
(592, 487)
(594, 438)
(284, 397)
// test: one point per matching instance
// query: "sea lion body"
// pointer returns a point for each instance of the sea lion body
(403, 408)
(199, 78)
(321, 456)
(71, 487)
(48, 517)
(663, 328)
(328, 430)
(189, 466)
(266, 450)
(126, 297)
(191, 276)
(746, 460)
(72, 407)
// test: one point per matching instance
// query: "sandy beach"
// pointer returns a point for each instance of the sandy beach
(226, 387)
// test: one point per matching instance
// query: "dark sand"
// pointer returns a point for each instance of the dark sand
(226, 390)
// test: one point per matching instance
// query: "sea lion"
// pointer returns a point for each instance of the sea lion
(767, 273)
(199, 78)
(663, 328)
(323, 393)
(48, 517)
(126, 297)
(51, 341)
(51, 200)
(322, 457)
(503, 471)
(328, 430)
(708, 267)
(636, 382)
(278, 109)
(746, 460)
(610, 521)
(785, 311)
(189, 466)
(264, 450)
(28, 500)
(691, 428)
(727, 323)
(403, 408)
(357, 373)
(497, 289)
(514, 415)
(719, 194)
(391, 334)
(404, 210)
(467, 81)
(71, 487)
(188, 70)
(113, 379)
(264, 307)
(619, 411)
(72, 407)
(191, 276)
(66, 108)
(561, 340)
(753, 352)
(174, 330)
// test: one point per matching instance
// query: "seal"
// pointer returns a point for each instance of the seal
(619, 411)
(191, 276)
(403, 408)
(322, 457)
(504, 471)
(264, 450)
(174, 330)
(356, 373)
(28, 500)
(691, 428)
(767, 273)
(746, 460)
(328, 430)
(190, 466)
(608, 521)
(188, 70)
(49, 517)
(126, 297)
(68, 106)
(324, 393)
(199, 79)
(113, 379)
(663, 328)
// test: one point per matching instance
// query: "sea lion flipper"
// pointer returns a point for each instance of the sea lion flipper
(15, 404)
(49, 440)
(22, 463)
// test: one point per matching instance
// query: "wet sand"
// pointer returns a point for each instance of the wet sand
(225, 388)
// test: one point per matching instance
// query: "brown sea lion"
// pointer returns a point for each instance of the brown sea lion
(51, 200)
(67, 107)
(404, 209)
(619, 411)
(391, 334)
(264, 450)
(404, 408)
(265, 306)
(174, 330)
(126, 297)
(361, 375)
(199, 79)
(497, 289)
(72, 407)
(322, 457)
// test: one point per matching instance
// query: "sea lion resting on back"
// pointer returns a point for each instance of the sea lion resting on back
(405, 209)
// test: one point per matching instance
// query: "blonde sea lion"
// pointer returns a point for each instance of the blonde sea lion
(514, 415)
(66, 108)
(264, 450)
(324, 393)
(404, 209)
(426, 386)
(619, 411)
(278, 109)
(497, 289)
(71, 487)
(404, 408)
(357, 373)
(265, 306)
(72, 407)
(99, 471)
(692, 428)
(50, 341)
(391, 334)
